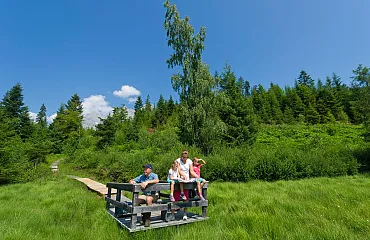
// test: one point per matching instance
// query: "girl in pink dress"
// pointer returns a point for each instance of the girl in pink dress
(196, 167)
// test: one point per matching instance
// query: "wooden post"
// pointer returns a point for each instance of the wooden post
(135, 202)
(109, 195)
(204, 209)
(117, 210)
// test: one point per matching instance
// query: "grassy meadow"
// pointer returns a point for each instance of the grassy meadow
(318, 208)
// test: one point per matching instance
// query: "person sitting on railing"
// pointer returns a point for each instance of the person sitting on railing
(147, 197)
(172, 178)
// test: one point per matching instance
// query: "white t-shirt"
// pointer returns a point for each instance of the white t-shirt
(185, 167)
(174, 174)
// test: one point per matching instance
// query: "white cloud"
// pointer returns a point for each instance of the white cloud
(32, 116)
(132, 99)
(126, 91)
(95, 107)
(130, 112)
(51, 118)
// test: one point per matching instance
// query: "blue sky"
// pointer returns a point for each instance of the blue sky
(94, 48)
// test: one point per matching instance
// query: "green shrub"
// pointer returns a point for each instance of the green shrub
(282, 152)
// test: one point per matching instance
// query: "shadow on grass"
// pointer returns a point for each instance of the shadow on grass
(363, 158)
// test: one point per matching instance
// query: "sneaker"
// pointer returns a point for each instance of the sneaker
(183, 197)
(172, 199)
(185, 217)
(202, 198)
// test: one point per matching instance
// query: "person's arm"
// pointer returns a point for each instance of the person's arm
(204, 162)
(181, 174)
(155, 180)
(192, 173)
(135, 180)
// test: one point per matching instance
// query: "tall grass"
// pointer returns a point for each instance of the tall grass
(320, 208)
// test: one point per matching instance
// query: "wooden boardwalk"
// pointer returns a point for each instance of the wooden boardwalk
(98, 187)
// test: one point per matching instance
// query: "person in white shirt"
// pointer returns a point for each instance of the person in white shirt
(173, 177)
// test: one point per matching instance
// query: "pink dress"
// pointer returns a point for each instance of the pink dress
(197, 169)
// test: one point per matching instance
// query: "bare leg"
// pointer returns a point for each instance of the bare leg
(203, 183)
(199, 188)
(172, 186)
(182, 187)
(149, 200)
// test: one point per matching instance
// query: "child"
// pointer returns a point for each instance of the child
(173, 177)
(196, 168)
(197, 165)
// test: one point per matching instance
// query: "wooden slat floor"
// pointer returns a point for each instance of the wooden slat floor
(156, 221)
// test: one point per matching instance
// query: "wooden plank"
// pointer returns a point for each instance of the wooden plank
(121, 186)
(169, 206)
(95, 186)
(156, 221)
(123, 205)
(151, 187)
(166, 186)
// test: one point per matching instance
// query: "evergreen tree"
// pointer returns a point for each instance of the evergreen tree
(311, 115)
(247, 88)
(236, 111)
(148, 105)
(58, 129)
(294, 102)
(41, 117)
(288, 116)
(275, 115)
(139, 112)
(160, 112)
(305, 79)
(171, 106)
(14, 110)
(361, 104)
(260, 104)
(148, 113)
(74, 104)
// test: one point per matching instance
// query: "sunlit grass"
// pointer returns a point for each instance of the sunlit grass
(322, 208)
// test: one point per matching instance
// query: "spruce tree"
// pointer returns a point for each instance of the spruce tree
(41, 117)
(14, 110)
(236, 111)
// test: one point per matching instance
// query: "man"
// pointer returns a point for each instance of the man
(147, 197)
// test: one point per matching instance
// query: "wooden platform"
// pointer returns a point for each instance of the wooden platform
(156, 221)
(159, 210)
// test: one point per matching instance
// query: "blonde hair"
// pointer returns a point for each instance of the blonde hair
(174, 163)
